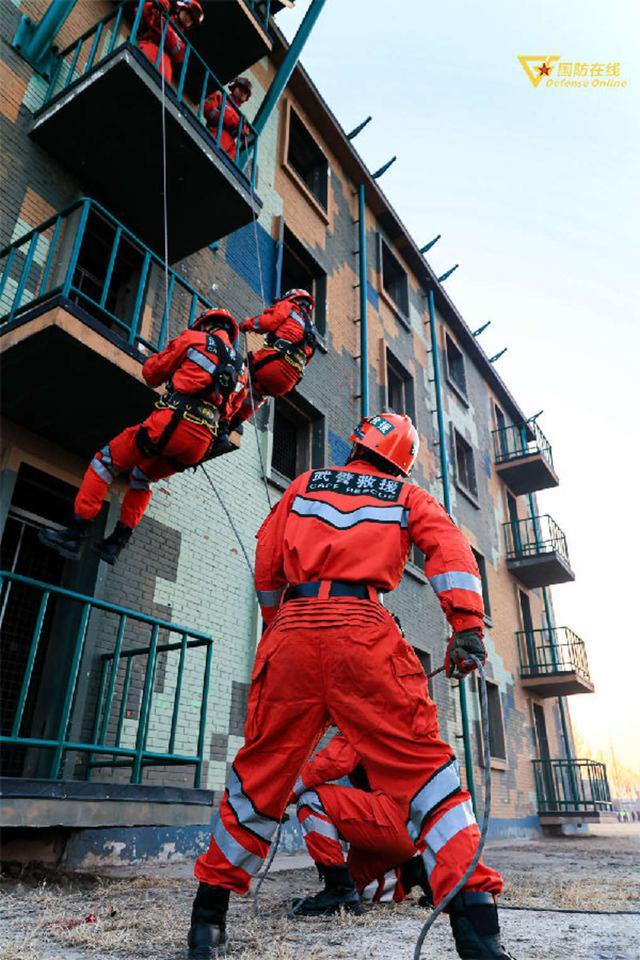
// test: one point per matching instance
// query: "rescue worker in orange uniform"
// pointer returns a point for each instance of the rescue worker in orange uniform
(382, 862)
(290, 343)
(333, 654)
(240, 91)
(199, 368)
(189, 14)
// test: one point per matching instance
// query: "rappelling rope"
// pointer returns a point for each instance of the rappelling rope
(164, 188)
(484, 709)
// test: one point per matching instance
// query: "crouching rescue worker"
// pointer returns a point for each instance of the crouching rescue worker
(383, 864)
(199, 368)
(230, 132)
(155, 13)
(290, 343)
(332, 653)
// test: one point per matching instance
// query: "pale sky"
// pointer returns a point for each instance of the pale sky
(536, 194)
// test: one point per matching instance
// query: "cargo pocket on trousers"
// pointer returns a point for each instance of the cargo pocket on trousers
(412, 680)
(253, 724)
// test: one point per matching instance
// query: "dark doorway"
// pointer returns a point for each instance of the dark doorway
(38, 500)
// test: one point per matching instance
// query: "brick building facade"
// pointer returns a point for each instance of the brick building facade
(76, 321)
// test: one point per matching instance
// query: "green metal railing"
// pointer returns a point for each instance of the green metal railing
(113, 33)
(552, 651)
(85, 255)
(261, 10)
(521, 440)
(117, 739)
(534, 536)
(571, 787)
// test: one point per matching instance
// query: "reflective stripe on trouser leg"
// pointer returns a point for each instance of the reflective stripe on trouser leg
(139, 480)
(320, 835)
(233, 851)
(97, 479)
(384, 889)
(448, 845)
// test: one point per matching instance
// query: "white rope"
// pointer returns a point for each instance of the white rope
(164, 185)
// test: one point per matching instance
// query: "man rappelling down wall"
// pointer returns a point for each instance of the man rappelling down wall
(200, 368)
(333, 654)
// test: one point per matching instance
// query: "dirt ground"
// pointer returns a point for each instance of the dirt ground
(42, 916)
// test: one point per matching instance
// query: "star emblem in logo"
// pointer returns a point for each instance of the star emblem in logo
(537, 68)
(544, 70)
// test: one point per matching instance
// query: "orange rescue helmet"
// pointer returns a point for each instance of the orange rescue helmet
(194, 8)
(391, 436)
(299, 294)
(218, 317)
(244, 83)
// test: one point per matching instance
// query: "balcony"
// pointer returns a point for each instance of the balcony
(571, 790)
(102, 118)
(123, 705)
(537, 552)
(523, 458)
(235, 34)
(82, 301)
(553, 662)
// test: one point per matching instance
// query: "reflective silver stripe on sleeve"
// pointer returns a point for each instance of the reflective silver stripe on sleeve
(269, 598)
(343, 521)
(245, 811)
(451, 823)
(105, 453)
(234, 851)
(296, 316)
(456, 580)
(138, 480)
(102, 471)
(443, 783)
(312, 824)
(196, 357)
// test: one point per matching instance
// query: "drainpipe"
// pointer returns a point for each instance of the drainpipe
(364, 344)
(34, 41)
(287, 66)
(446, 495)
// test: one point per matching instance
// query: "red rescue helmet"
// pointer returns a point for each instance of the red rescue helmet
(242, 82)
(299, 294)
(391, 436)
(218, 318)
(192, 7)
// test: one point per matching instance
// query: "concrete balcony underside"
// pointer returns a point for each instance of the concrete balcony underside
(541, 569)
(69, 379)
(106, 128)
(231, 38)
(527, 474)
(565, 683)
(82, 804)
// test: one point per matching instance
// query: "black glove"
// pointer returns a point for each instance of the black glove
(460, 647)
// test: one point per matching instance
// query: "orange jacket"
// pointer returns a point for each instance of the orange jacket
(230, 122)
(190, 361)
(151, 32)
(284, 319)
(356, 523)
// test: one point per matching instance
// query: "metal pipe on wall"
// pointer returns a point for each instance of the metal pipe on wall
(34, 41)
(446, 496)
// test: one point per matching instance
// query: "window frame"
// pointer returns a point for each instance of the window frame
(294, 174)
(460, 391)
(290, 242)
(484, 580)
(471, 494)
(401, 310)
(302, 414)
(494, 695)
(400, 372)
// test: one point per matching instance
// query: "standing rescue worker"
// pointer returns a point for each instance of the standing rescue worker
(189, 14)
(382, 865)
(333, 654)
(240, 91)
(290, 341)
(199, 367)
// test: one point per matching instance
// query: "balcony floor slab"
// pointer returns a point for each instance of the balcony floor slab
(527, 474)
(541, 570)
(562, 684)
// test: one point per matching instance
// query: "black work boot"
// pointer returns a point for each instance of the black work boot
(474, 922)
(339, 893)
(67, 542)
(413, 874)
(109, 549)
(207, 936)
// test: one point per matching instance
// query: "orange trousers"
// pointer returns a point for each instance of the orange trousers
(188, 445)
(273, 380)
(343, 661)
